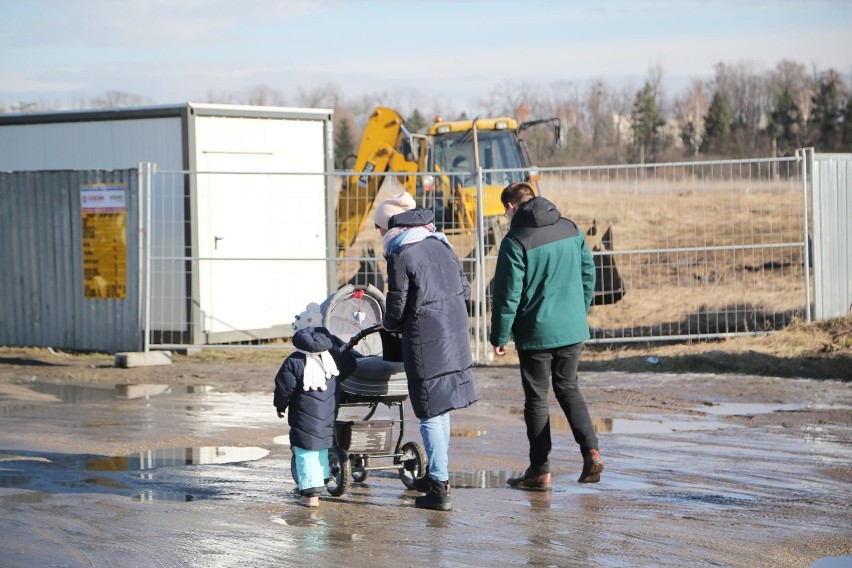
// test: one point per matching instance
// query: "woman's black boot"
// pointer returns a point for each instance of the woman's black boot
(438, 498)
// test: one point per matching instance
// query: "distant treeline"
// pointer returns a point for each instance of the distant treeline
(742, 112)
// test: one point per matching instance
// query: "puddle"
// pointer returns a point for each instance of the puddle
(559, 423)
(844, 561)
(92, 481)
(167, 457)
(467, 432)
(34, 475)
(145, 496)
(722, 499)
(481, 479)
(299, 518)
(156, 495)
(79, 391)
(746, 409)
(662, 426)
(14, 480)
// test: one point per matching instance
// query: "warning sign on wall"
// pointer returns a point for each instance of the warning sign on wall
(104, 241)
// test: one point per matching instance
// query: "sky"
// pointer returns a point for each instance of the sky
(458, 53)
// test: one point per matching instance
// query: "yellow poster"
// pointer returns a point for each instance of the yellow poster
(104, 241)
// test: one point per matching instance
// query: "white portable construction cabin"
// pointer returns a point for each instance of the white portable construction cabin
(214, 237)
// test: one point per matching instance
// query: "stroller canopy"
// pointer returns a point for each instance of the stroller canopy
(354, 308)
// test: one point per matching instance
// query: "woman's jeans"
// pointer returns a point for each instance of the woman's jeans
(436, 439)
(311, 469)
(537, 369)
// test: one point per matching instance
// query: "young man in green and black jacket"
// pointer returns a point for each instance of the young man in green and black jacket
(543, 287)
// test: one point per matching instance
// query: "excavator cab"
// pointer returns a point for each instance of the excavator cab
(439, 169)
(457, 150)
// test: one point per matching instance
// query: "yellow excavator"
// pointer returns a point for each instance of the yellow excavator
(438, 168)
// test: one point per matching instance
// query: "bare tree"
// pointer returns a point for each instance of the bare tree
(117, 99)
(690, 107)
(264, 95)
(329, 95)
(745, 90)
(506, 98)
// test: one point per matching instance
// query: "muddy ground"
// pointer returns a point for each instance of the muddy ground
(187, 465)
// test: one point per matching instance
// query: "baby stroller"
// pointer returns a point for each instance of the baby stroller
(354, 314)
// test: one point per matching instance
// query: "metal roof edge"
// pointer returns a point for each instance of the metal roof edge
(213, 109)
(162, 111)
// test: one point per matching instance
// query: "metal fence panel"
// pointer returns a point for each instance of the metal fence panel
(832, 230)
(54, 287)
(701, 249)
(704, 249)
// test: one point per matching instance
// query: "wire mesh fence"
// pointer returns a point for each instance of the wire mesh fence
(699, 249)
(689, 250)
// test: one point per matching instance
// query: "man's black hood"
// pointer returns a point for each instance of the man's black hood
(537, 212)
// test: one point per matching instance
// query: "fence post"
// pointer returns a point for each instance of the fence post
(806, 157)
(146, 189)
(481, 329)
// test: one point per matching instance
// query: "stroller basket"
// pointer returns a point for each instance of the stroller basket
(370, 436)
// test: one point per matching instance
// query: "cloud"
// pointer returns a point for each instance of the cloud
(176, 50)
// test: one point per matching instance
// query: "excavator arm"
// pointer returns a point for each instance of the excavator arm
(378, 153)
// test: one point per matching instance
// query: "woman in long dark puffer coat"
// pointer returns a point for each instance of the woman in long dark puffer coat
(427, 299)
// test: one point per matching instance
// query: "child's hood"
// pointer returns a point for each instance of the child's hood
(313, 340)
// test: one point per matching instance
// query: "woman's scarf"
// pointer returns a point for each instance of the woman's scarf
(399, 236)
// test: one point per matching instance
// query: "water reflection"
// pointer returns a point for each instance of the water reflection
(844, 561)
(96, 481)
(467, 432)
(746, 409)
(81, 391)
(313, 533)
(157, 495)
(166, 457)
(14, 479)
(70, 472)
(559, 423)
(661, 426)
(481, 479)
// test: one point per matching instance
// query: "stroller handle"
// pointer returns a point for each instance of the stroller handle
(361, 335)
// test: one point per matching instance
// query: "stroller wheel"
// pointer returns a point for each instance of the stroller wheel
(359, 465)
(340, 472)
(413, 462)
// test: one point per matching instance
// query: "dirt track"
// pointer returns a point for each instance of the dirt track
(700, 469)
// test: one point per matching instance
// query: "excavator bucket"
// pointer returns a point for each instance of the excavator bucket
(377, 154)
(609, 287)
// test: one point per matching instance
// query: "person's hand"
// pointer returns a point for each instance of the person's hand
(499, 350)
(281, 414)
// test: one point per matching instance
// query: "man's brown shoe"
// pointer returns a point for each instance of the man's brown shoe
(592, 467)
(540, 482)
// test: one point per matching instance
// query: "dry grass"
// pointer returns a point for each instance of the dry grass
(694, 249)
(818, 350)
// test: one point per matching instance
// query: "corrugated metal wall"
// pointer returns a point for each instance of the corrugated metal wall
(42, 301)
(832, 231)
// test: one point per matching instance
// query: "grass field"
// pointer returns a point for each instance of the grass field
(697, 253)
